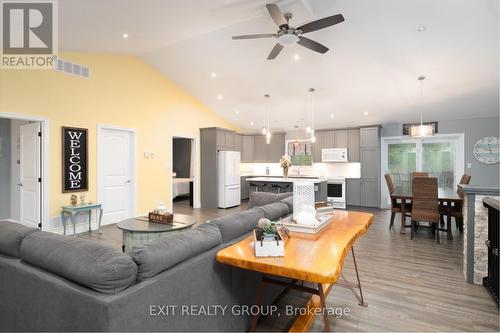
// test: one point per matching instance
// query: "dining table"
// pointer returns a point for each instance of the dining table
(448, 198)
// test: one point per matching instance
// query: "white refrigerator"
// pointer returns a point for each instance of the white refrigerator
(229, 192)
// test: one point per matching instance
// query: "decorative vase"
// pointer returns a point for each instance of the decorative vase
(285, 172)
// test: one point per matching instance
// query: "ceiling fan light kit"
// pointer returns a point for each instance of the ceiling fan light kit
(288, 35)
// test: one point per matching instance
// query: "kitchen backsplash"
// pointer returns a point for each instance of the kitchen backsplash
(322, 170)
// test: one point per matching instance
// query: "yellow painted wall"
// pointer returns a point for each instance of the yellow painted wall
(122, 91)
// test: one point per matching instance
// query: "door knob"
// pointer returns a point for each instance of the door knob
(19, 184)
(127, 182)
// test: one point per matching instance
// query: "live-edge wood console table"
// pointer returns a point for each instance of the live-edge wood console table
(316, 259)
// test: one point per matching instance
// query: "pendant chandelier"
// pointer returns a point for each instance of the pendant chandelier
(310, 128)
(266, 130)
(421, 130)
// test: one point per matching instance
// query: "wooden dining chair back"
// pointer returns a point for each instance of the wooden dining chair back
(465, 180)
(390, 184)
(425, 204)
(395, 205)
(419, 174)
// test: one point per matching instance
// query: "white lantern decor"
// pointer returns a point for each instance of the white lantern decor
(304, 211)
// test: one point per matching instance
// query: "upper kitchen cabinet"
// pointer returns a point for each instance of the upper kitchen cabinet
(316, 149)
(271, 152)
(237, 142)
(276, 148)
(353, 147)
(369, 137)
(327, 139)
(341, 139)
(260, 149)
(247, 148)
(225, 139)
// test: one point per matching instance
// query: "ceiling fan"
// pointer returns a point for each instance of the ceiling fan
(288, 35)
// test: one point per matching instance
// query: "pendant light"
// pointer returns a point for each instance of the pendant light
(265, 130)
(421, 130)
(310, 130)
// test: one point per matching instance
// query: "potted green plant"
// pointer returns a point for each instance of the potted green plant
(269, 229)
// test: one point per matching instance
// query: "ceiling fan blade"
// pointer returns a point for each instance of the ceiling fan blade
(276, 14)
(275, 51)
(254, 36)
(312, 45)
(322, 23)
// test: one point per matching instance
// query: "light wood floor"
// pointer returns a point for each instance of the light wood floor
(409, 285)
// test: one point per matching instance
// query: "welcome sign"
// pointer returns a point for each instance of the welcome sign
(74, 159)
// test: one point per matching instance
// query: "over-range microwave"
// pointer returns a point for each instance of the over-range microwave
(334, 155)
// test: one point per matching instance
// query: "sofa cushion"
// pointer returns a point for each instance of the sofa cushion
(11, 236)
(235, 225)
(162, 253)
(274, 211)
(258, 199)
(91, 264)
(289, 202)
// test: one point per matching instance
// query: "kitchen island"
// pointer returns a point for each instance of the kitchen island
(281, 185)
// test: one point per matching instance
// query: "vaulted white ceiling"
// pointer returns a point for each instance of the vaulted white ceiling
(374, 60)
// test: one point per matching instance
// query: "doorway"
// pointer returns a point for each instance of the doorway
(184, 171)
(23, 169)
(116, 173)
(442, 156)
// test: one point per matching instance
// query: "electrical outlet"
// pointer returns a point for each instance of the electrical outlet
(147, 155)
(469, 165)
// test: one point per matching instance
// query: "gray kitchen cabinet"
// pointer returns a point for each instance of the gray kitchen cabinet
(369, 137)
(247, 148)
(244, 187)
(353, 147)
(353, 191)
(369, 193)
(276, 148)
(341, 139)
(370, 162)
(316, 149)
(237, 142)
(327, 139)
(260, 149)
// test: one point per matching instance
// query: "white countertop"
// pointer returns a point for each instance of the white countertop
(285, 180)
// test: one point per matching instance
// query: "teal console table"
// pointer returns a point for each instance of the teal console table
(72, 211)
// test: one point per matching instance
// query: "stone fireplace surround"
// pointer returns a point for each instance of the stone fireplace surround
(476, 231)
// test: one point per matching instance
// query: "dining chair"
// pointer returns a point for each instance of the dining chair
(419, 174)
(425, 204)
(395, 205)
(457, 210)
(464, 180)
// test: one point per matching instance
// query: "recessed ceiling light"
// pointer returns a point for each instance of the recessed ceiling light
(125, 36)
(365, 113)
(213, 75)
(331, 116)
(237, 111)
(251, 123)
(422, 28)
(219, 97)
(296, 57)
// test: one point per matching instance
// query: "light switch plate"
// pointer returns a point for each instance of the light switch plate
(469, 165)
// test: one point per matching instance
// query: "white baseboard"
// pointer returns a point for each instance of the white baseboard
(82, 225)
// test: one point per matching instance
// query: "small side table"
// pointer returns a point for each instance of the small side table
(72, 211)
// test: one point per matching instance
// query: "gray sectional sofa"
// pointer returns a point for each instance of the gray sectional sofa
(50, 282)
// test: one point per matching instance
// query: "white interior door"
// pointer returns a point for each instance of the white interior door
(30, 173)
(115, 167)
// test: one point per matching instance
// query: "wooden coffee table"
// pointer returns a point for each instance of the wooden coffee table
(137, 231)
(318, 259)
